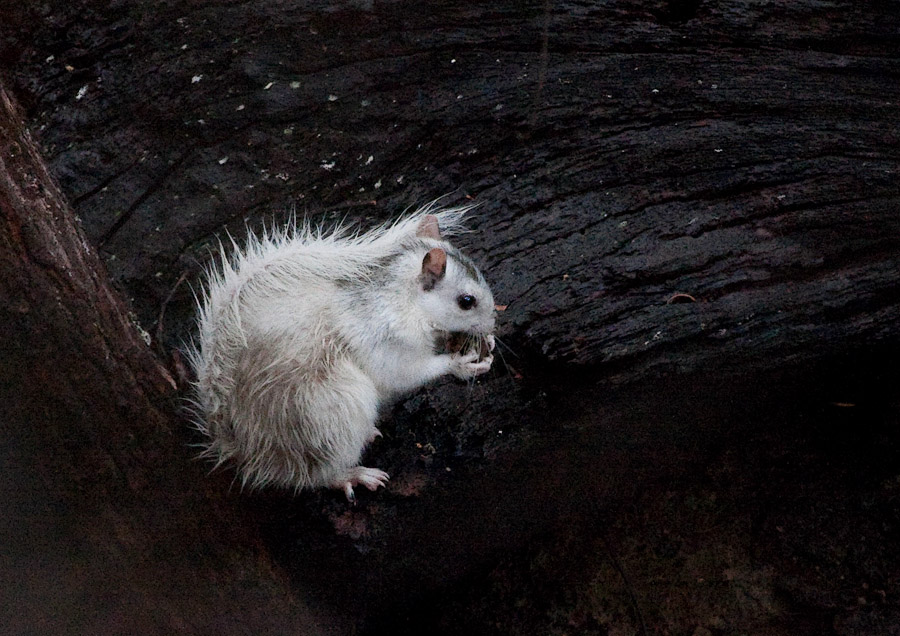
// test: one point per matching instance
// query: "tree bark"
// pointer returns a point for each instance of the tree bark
(106, 527)
(740, 154)
(665, 185)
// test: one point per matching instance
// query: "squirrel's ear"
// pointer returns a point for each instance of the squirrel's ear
(434, 266)
(429, 228)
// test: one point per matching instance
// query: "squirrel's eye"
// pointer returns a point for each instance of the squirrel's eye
(466, 301)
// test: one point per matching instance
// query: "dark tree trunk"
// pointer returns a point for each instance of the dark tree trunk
(105, 528)
(741, 154)
(703, 189)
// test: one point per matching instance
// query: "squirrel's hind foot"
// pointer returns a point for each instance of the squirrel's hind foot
(371, 478)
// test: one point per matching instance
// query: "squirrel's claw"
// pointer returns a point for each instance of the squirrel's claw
(371, 478)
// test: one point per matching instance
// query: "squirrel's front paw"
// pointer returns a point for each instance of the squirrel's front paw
(468, 366)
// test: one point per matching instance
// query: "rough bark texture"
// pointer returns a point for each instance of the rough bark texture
(105, 526)
(742, 153)
(696, 186)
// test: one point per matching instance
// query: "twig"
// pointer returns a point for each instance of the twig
(628, 587)
(542, 70)
(162, 313)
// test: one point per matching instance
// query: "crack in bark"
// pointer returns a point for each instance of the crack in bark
(154, 187)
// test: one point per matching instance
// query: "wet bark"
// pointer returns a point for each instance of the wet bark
(105, 528)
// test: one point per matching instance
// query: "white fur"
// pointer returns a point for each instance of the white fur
(303, 334)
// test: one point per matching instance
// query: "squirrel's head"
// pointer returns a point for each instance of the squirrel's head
(452, 292)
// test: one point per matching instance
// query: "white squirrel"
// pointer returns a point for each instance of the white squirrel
(304, 335)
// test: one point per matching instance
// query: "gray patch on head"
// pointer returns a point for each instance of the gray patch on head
(467, 265)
